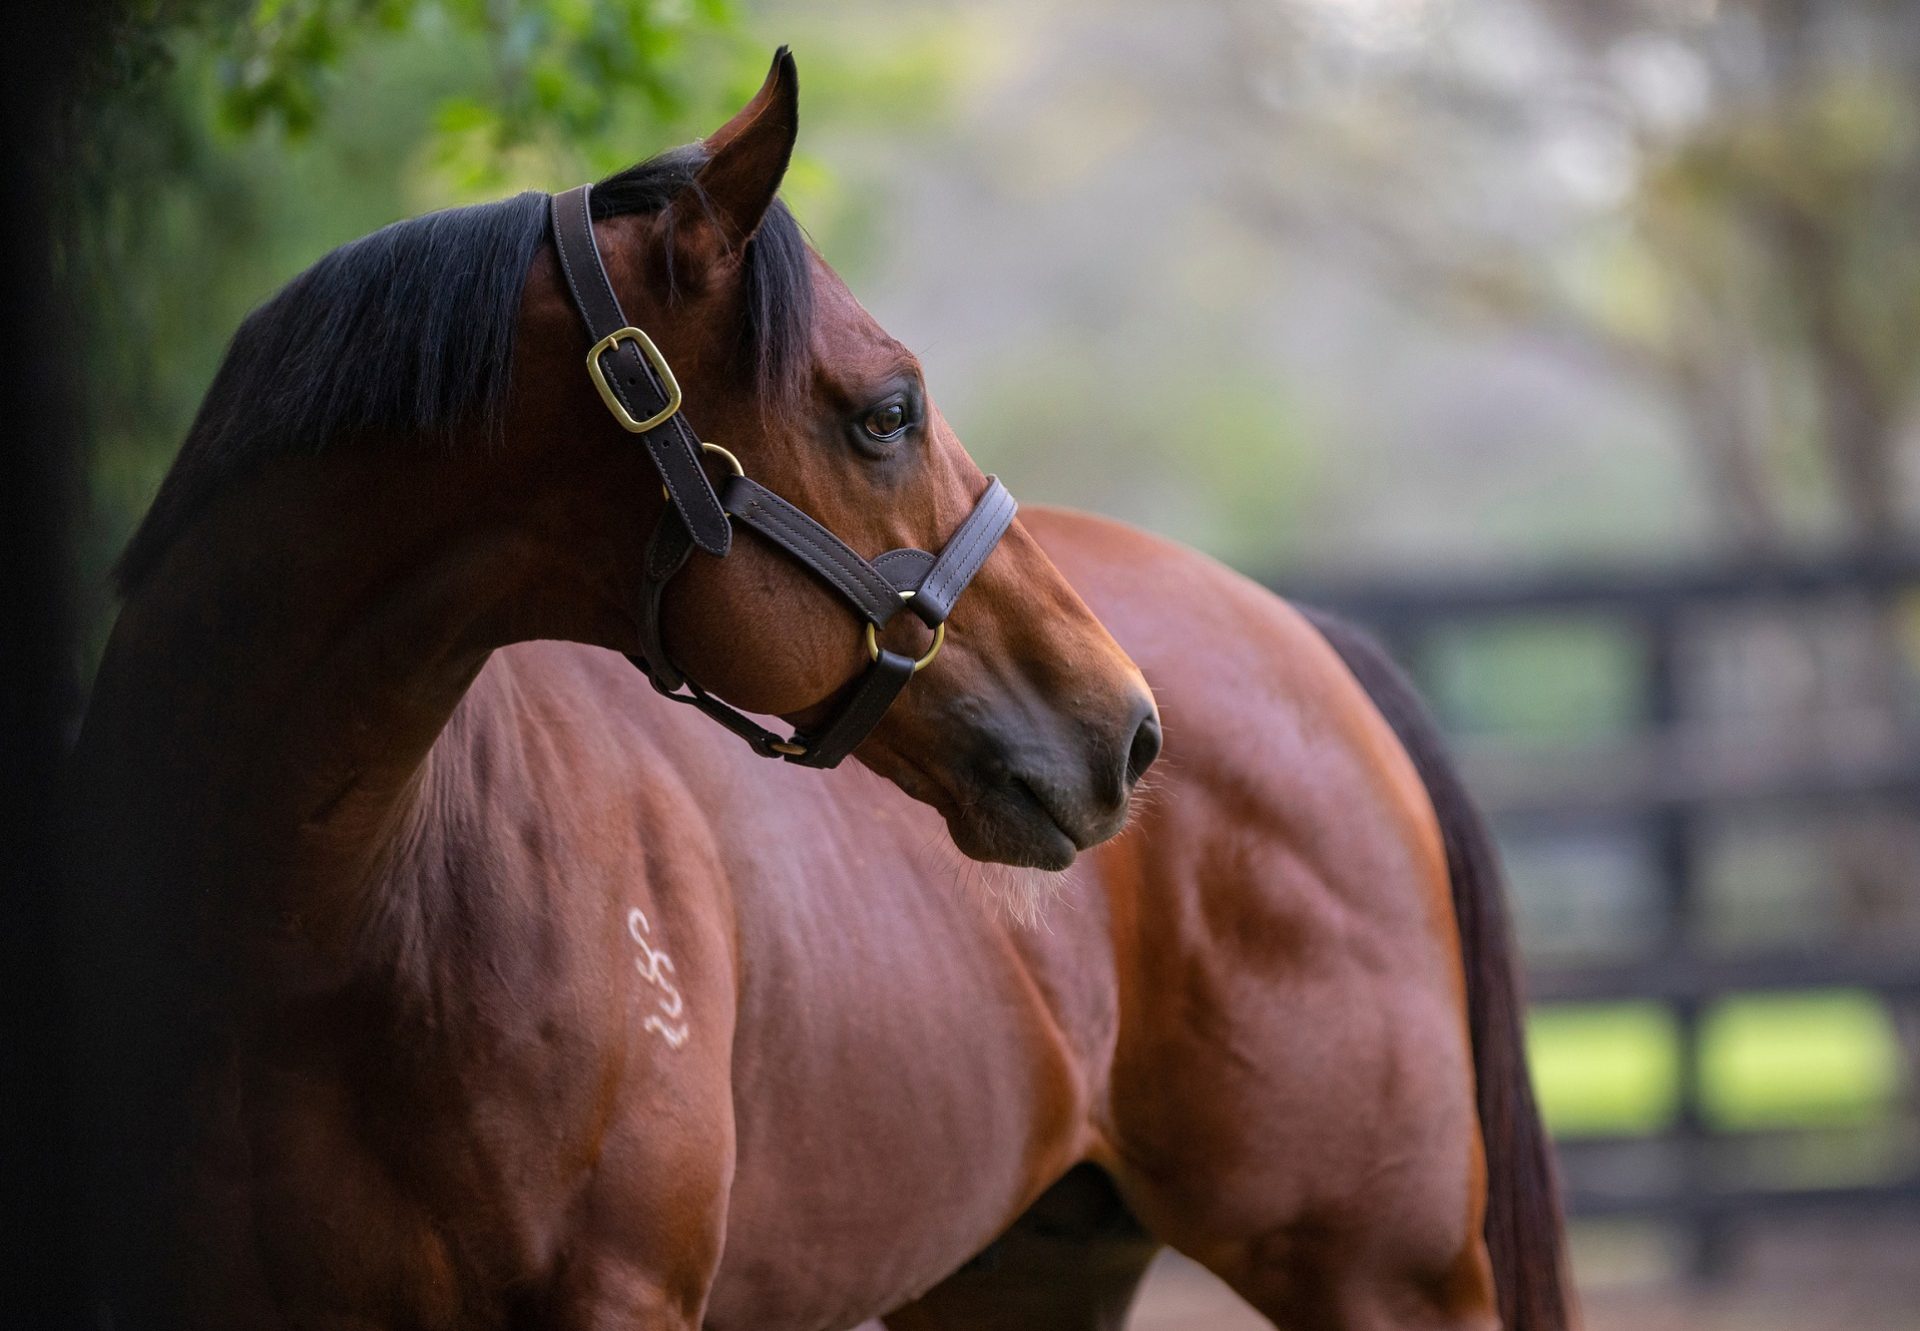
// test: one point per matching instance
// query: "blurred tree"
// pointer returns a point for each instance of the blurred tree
(1716, 197)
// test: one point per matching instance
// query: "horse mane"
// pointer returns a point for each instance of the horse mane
(409, 332)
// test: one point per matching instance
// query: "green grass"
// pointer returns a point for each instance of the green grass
(1775, 1061)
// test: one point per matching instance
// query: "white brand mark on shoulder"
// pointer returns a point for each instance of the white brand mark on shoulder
(656, 968)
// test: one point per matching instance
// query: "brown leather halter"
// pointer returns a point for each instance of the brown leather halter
(638, 387)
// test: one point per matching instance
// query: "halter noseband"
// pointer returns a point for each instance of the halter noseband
(638, 386)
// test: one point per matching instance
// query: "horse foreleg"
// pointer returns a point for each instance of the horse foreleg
(1073, 1262)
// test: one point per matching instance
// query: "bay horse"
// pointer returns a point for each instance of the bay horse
(444, 976)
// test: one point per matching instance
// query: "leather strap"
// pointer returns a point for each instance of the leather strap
(672, 444)
(873, 589)
(938, 586)
(879, 685)
(830, 558)
(763, 741)
(924, 583)
(667, 552)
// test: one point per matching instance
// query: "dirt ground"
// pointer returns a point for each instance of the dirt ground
(1856, 1273)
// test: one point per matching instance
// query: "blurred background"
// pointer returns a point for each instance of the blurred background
(1574, 346)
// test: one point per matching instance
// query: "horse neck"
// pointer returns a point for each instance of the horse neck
(264, 713)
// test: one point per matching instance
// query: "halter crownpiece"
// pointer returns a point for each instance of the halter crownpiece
(640, 391)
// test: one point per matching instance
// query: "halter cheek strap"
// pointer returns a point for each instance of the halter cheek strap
(638, 386)
(633, 377)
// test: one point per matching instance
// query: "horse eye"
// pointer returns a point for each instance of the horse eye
(888, 422)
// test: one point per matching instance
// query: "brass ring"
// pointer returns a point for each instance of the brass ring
(939, 637)
(732, 461)
(705, 447)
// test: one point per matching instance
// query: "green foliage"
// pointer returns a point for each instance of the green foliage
(569, 70)
(281, 51)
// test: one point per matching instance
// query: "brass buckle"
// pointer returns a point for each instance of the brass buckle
(612, 399)
(939, 638)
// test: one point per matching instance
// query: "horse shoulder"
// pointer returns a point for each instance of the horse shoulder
(547, 1003)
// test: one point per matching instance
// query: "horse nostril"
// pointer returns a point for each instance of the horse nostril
(1145, 747)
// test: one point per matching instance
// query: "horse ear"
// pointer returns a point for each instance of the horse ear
(747, 158)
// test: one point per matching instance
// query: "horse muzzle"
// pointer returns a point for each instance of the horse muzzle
(1036, 796)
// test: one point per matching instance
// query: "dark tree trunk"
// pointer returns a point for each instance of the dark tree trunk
(45, 1235)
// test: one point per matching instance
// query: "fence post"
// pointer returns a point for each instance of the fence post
(1675, 850)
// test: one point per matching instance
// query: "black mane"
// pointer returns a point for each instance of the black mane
(410, 331)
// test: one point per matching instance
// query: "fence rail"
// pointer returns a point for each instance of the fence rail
(1660, 784)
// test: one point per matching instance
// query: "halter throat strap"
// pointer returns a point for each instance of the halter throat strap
(638, 387)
